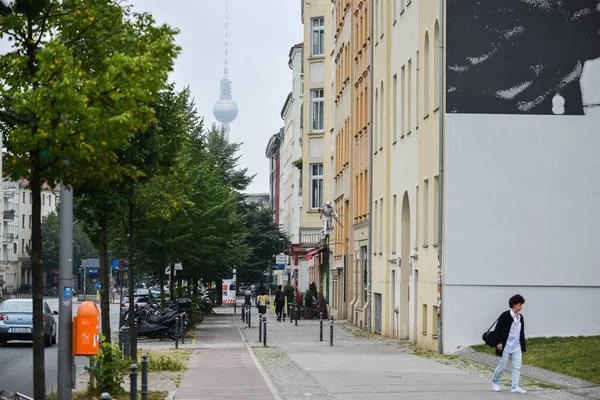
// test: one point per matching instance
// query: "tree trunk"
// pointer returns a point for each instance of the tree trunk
(104, 285)
(132, 330)
(195, 283)
(37, 272)
(161, 281)
(172, 283)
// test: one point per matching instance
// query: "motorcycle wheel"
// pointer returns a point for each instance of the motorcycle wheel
(172, 333)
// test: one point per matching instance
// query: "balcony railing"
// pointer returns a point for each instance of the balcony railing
(310, 239)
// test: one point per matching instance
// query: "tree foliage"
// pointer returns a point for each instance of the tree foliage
(265, 240)
(76, 83)
(82, 245)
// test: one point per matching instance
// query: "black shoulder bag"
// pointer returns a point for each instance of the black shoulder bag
(488, 336)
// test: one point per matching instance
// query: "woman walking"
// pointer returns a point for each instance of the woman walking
(509, 336)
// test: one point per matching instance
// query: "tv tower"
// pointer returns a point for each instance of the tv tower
(225, 110)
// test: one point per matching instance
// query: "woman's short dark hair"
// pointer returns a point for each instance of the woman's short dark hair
(516, 299)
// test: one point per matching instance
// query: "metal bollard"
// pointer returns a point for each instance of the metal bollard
(243, 313)
(265, 331)
(182, 330)
(296, 313)
(133, 382)
(105, 396)
(259, 330)
(331, 332)
(291, 314)
(176, 332)
(321, 324)
(92, 366)
(144, 377)
(249, 316)
(235, 307)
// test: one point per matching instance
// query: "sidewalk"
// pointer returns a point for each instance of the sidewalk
(302, 367)
(221, 366)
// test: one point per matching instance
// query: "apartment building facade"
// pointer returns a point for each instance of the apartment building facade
(50, 199)
(10, 235)
(342, 98)
(316, 144)
(291, 167)
(380, 188)
(360, 160)
(273, 153)
(481, 194)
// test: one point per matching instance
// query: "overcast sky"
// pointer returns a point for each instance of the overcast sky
(260, 36)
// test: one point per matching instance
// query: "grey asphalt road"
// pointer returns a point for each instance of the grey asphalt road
(16, 359)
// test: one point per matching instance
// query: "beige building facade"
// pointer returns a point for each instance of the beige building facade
(380, 186)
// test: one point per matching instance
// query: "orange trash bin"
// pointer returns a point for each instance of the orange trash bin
(86, 330)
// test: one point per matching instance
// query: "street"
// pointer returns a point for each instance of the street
(16, 359)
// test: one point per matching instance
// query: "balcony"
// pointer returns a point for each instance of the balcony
(310, 239)
(9, 215)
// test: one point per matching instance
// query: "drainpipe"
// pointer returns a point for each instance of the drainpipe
(441, 177)
(371, 133)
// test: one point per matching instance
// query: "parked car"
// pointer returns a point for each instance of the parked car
(16, 321)
(138, 300)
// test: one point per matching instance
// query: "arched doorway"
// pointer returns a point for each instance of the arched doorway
(405, 268)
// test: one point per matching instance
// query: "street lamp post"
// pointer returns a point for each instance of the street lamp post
(65, 292)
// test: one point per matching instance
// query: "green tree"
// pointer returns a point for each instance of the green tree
(265, 240)
(148, 153)
(82, 246)
(75, 84)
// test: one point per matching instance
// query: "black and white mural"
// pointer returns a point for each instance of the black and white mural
(522, 56)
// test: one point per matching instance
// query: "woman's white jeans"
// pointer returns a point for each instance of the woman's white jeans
(517, 358)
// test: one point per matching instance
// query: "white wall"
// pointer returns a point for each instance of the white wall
(522, 214)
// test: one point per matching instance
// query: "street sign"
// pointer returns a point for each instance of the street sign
(280, 259)
(121, 264)
(97, 285)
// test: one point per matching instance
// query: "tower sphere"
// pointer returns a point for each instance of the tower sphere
(225, 110)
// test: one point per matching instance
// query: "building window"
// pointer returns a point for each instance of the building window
(409, 96)
(365, 274)
(426, 212)
(15, 247)
(318, 101)
(424, 317)
(318, 36)
(50, 200)
(30, 197)
(436, 210)
(436, 65)
(43, 199)
(316, 185)
(394, 222)
(395, 109)
(30, 221)
(23, 221)
(24, 198)
(22, 246)
(426, 76)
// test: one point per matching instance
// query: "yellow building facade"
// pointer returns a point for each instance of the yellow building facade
(316, 136)
(342, 96)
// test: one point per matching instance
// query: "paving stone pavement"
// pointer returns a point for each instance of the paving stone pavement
(302, 367)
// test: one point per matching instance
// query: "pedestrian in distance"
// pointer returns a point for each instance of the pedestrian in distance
(248, 297)
(279, 302)
(262, 301)
(509, 336)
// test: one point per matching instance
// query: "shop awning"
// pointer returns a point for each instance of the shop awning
(314, 252)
